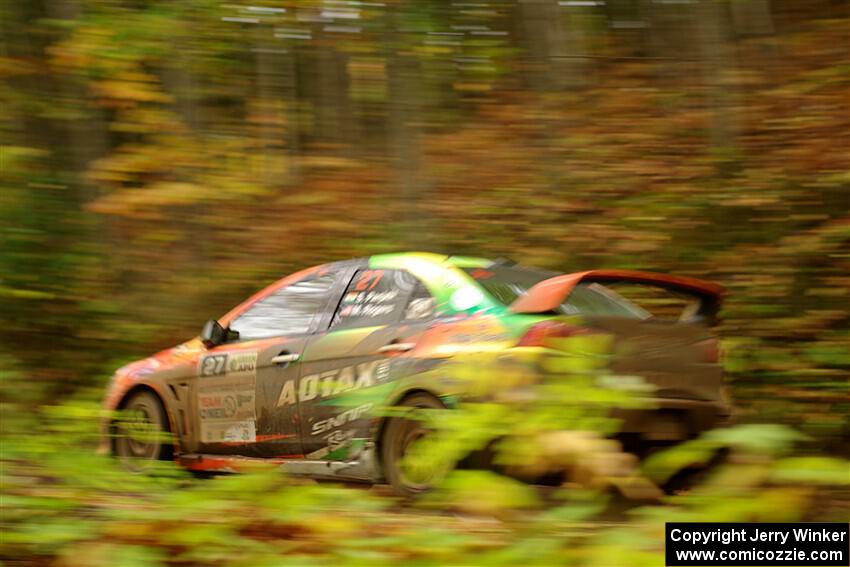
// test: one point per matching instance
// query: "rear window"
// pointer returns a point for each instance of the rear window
(506, 285)
(597, 299)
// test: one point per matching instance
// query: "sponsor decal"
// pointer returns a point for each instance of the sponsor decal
(226, 397)
(367, 310)
(212, 365)
(368, 303)
(230, 432)
(333, 382)
(374, 296)
(228, 363)
(346, 417)
(217, 405)
(339, 439)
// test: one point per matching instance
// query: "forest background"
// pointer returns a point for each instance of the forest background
(161, 160)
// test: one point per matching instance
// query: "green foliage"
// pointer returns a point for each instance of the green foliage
(63, 502)
(84, 509)
(812, 470)
(482, 492)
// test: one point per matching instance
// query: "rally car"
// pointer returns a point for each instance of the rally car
(301, 373)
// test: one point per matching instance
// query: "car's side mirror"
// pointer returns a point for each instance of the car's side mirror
(213, 334)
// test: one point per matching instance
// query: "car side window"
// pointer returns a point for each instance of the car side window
(421, 304)
(375, 297)
(291, 310)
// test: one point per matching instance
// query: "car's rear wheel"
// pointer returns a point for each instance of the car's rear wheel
(400, 435)
(141, 433)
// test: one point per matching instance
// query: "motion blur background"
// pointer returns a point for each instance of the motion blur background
(162, 159)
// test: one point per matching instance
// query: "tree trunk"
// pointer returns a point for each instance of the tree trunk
(554, 50)
(752, 17)
(717, 64)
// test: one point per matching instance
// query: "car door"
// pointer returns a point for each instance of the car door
(379, 317)
(240, 382)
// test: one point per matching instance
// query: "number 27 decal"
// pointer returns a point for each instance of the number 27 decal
(213, 365)
(368, 280)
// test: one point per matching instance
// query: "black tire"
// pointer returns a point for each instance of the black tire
(141, 437)
(398, 435)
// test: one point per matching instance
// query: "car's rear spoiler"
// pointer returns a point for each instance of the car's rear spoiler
(548, 295)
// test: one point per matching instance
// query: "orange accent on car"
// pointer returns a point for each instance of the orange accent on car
(226, 463)
(480, 274)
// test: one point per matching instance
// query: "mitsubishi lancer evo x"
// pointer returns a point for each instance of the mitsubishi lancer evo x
(301, 373)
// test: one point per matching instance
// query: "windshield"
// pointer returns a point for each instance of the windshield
(507, 284)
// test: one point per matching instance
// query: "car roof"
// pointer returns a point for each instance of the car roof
(436, 258)
(438, 281)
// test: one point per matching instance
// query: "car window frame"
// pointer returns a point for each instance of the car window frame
(326, 327)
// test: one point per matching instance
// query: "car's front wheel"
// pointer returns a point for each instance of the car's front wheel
(407, 476)
(141, 435)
